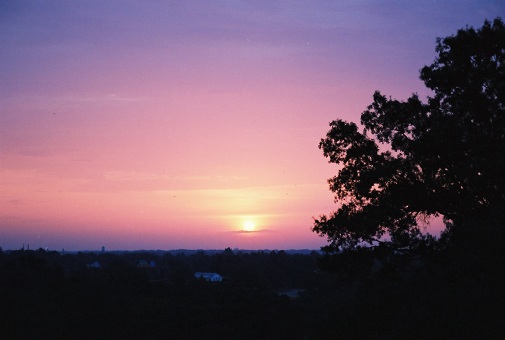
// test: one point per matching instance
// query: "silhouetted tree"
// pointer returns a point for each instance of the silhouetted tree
(443, 157)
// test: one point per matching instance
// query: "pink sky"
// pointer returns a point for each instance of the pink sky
(169, 124)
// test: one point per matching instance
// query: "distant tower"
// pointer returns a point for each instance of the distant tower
(103, 249)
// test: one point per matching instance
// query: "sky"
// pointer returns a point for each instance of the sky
(193, 124)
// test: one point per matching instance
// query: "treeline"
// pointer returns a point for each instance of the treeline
(262, 270)
(372, 293)
(146, 295)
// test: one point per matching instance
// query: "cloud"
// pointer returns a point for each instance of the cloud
(257, 231)
(134, 176)
(15, 201)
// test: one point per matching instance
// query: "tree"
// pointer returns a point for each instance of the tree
(443, 157)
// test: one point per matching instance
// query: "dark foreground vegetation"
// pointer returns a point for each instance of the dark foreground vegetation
(455, 292)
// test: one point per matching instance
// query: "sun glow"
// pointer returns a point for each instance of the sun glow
(249, 226)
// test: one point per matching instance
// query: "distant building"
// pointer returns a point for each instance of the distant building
(212, 277)
(142, 264)
(292, 293)
(95, 264)
(145, 264)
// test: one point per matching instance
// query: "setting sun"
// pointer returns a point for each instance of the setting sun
(248, 226)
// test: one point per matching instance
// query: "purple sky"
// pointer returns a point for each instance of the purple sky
(172, 124)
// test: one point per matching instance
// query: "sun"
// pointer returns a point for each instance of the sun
(248, 226)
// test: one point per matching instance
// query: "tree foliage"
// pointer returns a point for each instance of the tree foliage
(445, 156)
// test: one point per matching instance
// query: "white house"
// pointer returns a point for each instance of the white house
(213, 277)
(95, 264)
